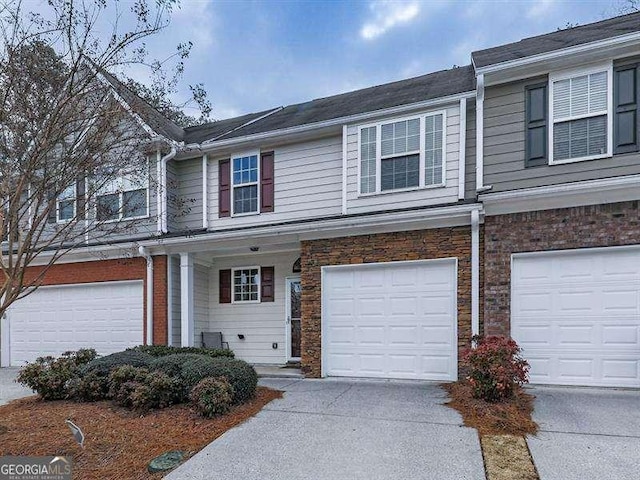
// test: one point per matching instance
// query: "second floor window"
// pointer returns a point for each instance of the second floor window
(124, 197)
(403, 154)
(66, 204)
(244, 177)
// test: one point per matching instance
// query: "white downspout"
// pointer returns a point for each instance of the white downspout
(462, 156)
(162, 190)
(205, 192)
(480, 133)
(475, 272)
(159, 189)
(144, 253)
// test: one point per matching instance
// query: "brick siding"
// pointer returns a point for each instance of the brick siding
(567, 228)
(387, 247)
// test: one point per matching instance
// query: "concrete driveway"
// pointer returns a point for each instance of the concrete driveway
(328, 429)
(586, 433)
(9, 389)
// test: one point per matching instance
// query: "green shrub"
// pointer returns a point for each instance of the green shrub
(102, 366)
(495, 368)
(164, 350)
(172, 365)
(212, 396)
(49, 376)
(140, 389)
(240, 374)
(89, 387)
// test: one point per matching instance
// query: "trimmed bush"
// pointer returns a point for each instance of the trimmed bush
(164, 350)
(242, 376)
(140, 389)
(495, 368)
(49, 376)
(173, 365)
(104, 365)
(212, 396)
(89, 387)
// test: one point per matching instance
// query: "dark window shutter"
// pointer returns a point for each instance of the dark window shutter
(266, 182)
(225, 286)
(625, 101)
(52, 215)
(267, 284)
(80, 198)
(224, 188)
(535, 125)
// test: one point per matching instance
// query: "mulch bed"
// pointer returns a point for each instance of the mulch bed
(119, 443)
(512, 417)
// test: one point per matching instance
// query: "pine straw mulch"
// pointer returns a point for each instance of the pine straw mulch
(119, 443)
(512, 417)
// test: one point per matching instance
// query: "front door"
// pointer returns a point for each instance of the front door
(294, 291)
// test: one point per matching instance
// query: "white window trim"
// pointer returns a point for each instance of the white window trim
(576, 72)
(73, 198)
(121, 193)
(257, 183)
(233, 286)
(421, 153)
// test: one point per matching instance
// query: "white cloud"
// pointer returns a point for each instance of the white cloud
(387, 14)
(540, 9)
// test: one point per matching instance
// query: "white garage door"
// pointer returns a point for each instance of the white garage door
(106, 316)
(576, 314)
(390, 320)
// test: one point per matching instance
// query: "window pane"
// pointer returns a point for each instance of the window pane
(108, 207)
(400, 137)
(597, 92)
(580, 138)
(245, 285)
(368, 160)
(134, 203)
(580, 95)
(433, 149)
(66, 209)
(561, 99)
(245, 199)
(400, 172)
(245, 170)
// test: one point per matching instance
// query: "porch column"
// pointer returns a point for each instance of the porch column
(186, 300)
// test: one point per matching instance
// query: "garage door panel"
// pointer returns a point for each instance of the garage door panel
(587, 331)
(51, 320)
(407, 330)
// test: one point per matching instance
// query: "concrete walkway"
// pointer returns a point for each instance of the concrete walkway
(328, 429)
(9, 389)
(586, 434)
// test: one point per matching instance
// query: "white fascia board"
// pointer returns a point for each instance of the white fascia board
(590, 192)
(449, 216)
(90, 254)
(334, 122)
(618, 41)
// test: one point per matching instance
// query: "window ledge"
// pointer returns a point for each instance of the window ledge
(124, 219)
(402, 190)
(246, 214)
(580, 159)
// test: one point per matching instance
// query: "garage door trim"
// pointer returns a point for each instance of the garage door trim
(323, 299)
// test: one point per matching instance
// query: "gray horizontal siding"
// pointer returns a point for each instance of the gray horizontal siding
(176, 309)
(187, 194)
(307, 184)
(200, 302)
(504, 149)
(470, 153)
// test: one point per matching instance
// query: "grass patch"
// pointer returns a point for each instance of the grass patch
(119, 443)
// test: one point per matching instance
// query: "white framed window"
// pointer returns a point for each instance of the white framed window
(246, 284)
(403, 154)
(245, 191)
(124, 197)
(580, 107)
(66, 204)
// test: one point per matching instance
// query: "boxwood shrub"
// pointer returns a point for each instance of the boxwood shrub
(212, 396)
(102, 366)
(242, 376)
(140, 389)
(164, 350)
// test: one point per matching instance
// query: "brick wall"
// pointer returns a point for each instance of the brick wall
(115, 270)
(388, 247)
(566, 228)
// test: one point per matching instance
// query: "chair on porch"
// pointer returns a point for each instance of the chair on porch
(214, 340)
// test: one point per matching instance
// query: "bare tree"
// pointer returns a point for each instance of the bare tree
(66, 137)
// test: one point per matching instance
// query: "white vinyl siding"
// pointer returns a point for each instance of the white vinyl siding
(176, 299)
(186, 194)
(201, 302)
(262, 324)
(307, 184)
(359, 201)
(580, 106)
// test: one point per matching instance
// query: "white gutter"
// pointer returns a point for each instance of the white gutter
(149, 281)
(334, 122)
(564, 52)
(205, 191)
(162, 207)
(475, 272)
(462, 156)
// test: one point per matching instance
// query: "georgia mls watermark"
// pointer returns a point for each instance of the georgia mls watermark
(35, 468)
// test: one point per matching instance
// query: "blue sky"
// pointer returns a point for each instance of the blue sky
(255, 55)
